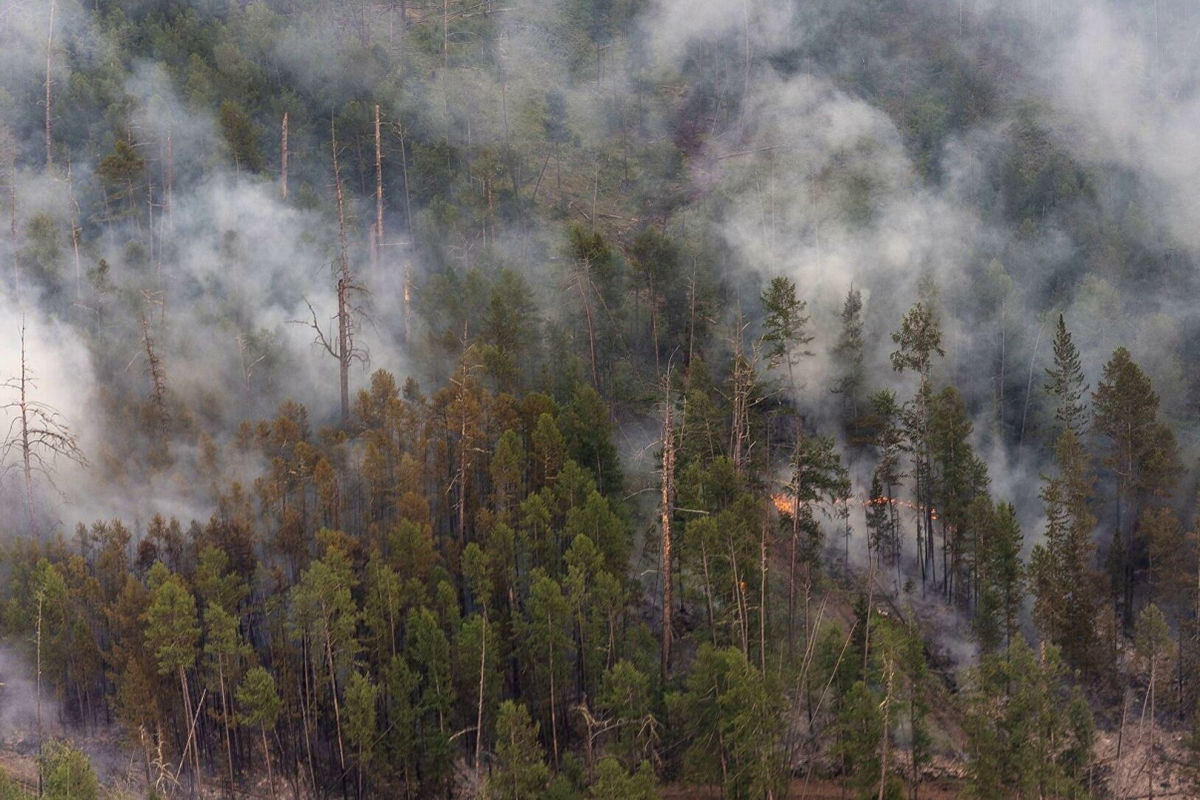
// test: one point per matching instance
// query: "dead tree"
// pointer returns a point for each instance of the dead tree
(342, 348)
(49, 57)
(37, 434)
(158, 378)
(283, 157)
(8, 146)
(379, 238)
(666, 511)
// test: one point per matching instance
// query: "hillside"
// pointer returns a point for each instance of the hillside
(563, 398)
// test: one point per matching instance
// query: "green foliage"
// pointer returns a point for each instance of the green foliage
(361, 698)
(522, 770)
(1019, 743)
(1065, 384)
(850, 352)
(614, 783)
(257, 699)
(785, 323)
(172, 630)
(919, 338)
(241, 136)
(728, 719)
(10, 790)
(1065, 585)
(1001, 578)
(66, 773)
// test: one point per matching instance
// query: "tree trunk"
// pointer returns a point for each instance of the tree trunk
(479, 705)
(337, 711)
(191, 723)
(49, 55)
(343, 288)
(553, 698)
(666, 511)
(379, 237)
(267, 758)
(283, 157)
(225, 716)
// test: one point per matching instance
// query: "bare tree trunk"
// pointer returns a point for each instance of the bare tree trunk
(170, 177)
(337, 711)
(379, 237)
(708, 601)
(26, 452)
(306, 691)
(890, 669)
(587, 311)
(343, 288)
(762, 598)
(49, 55)
(283, 157)
(479, 706)
(158, 381)
(553, 697)
(408, 228)
(666, 511)
(191, 721)
(267, 758)
(225, 716)
(12, 208)
(41, 596)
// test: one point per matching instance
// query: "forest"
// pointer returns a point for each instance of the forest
(590, 399)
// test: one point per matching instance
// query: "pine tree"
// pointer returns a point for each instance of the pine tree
(1019, 741)
(1064, 383)
(172, 636)
(1062, 576)
(919, 338)
(361, 697)
(730, 722)
(1001, 578)
(957, 477)
(849, 353)
(1141, 453)
(785, 326)
(522, 772)
(260, 706)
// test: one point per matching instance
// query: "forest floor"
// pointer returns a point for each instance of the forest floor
(1166, 770)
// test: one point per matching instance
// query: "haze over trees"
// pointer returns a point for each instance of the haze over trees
(565, 399)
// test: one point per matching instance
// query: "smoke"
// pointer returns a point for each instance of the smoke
(19, 703)
(1023, 158)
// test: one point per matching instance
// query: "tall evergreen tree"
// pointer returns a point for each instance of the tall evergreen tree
(957, 477)
(1001, 577)
(849, 354)
(1062, 576)
(785, 326)
(1064, 384)
(1140, 453)
(917, 341)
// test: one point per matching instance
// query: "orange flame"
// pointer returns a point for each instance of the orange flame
(786, 503)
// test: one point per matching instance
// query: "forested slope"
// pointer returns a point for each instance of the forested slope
(562, 398)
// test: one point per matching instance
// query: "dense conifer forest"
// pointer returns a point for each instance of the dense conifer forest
(581, 399)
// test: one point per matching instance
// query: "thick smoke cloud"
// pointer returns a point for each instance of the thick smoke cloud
(810, 175)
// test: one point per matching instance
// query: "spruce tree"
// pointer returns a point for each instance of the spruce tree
(849, 357)
(785, 325)
(1141, 454)
(1062, 576)
(1064, 384)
